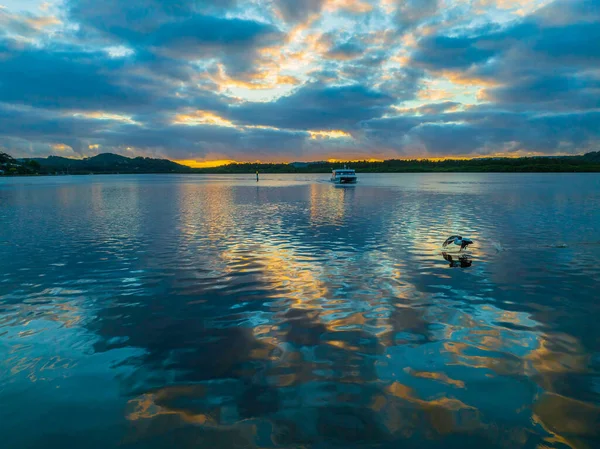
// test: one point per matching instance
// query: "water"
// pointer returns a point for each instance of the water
(214, 311)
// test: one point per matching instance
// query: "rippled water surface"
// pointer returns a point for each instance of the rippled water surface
(216, 312)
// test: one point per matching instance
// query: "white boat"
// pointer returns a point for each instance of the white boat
(343, 176)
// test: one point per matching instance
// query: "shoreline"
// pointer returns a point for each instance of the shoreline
(37, 175)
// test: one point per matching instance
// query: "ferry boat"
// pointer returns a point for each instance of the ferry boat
(343, 176)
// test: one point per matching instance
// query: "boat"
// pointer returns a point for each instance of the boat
(343, 176)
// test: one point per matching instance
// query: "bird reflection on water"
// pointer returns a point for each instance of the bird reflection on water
(286, 315)
(458, 260)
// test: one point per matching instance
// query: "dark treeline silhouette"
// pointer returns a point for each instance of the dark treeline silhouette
(10, 166)
(589, 162)
(113, 163)
(108, 163)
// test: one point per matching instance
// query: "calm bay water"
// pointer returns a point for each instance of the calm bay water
(213, 311)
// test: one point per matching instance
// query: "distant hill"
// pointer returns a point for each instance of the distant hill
(593, 156)
(108, 163)
(10, 166)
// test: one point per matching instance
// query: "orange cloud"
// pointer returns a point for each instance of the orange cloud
(466, 79)
(432, 94)
(101, 115)
(43, 22)
(202, 118)
(355, 6)
(331, 134)
(267, 76)
(389, 6)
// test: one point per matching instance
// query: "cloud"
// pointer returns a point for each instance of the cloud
(535, 63)
(410, 13)
(116, 18)
(484, 131)
(205, 35)
(451, 52)
(271, 78)
(234, 42)
(297, 10)
(346, 51)
(25, 25)
(65, 78)
(178, 30)
(316, 106)
(432, 108)
(550, 92)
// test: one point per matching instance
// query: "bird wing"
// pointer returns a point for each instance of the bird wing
(451, 239)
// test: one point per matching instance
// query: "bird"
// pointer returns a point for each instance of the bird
(458, 240)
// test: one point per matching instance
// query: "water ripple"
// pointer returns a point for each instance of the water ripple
(155, 311)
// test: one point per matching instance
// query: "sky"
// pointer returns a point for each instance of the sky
(298, 80)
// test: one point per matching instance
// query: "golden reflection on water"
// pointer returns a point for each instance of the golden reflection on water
(330, 205)
(367, 327)
(153, 415)
(568, 420)
(402, 411)
(438, 377)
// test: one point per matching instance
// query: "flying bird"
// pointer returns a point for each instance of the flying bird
(458, 240)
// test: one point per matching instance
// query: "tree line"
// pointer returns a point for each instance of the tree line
(113, 163)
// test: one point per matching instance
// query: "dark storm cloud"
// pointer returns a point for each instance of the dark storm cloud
(317, 106)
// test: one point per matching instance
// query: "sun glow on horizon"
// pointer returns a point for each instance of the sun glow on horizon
(204, 164)
(341, 161)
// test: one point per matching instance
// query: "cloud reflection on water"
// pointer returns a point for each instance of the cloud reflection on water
(293, 315)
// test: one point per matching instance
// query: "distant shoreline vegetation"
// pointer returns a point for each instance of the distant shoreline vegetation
(108, 163)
